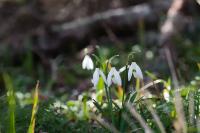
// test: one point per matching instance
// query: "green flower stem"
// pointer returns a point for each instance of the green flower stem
(124, 85)
(122, 122)
(109, 97)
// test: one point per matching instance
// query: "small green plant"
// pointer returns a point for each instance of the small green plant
(11, 99)
(113, 77)
(139, 110)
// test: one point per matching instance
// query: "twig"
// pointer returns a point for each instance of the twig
(139, 118)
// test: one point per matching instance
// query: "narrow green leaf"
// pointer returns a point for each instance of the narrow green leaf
(11, 102)
(31, 128)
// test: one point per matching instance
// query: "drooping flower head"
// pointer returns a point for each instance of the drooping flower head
(96, 75)
(114, 76)
(87, 63)
(135, 70)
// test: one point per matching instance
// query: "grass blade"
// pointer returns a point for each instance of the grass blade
(139, 118)
(11, 102)
(156, 117)
(34, 110)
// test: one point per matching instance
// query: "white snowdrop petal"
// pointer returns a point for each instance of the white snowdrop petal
(109, 78)
(95, 79)
(117, 82)
(114, 80)
(138, 72)
(117, 77)
(123, 69)
(130, 73)
(84, 63)
(90, 64)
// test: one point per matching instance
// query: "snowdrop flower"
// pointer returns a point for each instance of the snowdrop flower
(96, 75)
(87, 63)
(137, 73)
(113, 76)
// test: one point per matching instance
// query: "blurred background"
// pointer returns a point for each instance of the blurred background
(45, 40)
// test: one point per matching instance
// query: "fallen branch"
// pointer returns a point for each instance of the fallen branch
(115, 18)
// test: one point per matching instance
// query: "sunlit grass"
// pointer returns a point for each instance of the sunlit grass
(31, 128)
